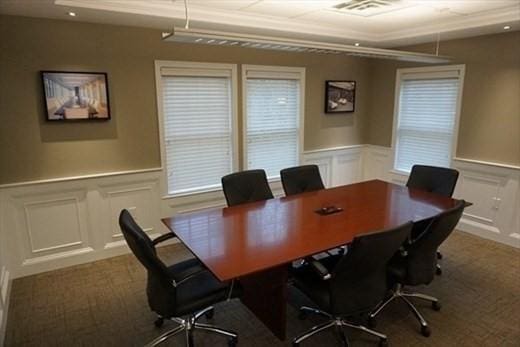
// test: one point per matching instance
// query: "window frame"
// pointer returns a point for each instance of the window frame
(203, 70)
(274, 72)
(457, 71)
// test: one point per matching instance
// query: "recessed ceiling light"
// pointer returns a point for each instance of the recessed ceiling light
(507, 27)
(356, 44)
(72, 14)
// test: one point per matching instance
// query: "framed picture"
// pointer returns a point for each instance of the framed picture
(73, 96)
(340, 96)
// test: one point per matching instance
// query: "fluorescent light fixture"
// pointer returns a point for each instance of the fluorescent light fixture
(292, 45)
(356, 44)
(72, 14)
(507, 27)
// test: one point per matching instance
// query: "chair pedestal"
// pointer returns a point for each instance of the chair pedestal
(334, 322)
(398, 292)
(189, 325)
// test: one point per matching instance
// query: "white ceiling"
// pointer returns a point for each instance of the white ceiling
(401, 22)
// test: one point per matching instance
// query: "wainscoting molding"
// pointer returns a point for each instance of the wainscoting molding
(60, 223)
(51, 224)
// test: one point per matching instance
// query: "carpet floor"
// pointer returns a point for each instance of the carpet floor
(104, 304)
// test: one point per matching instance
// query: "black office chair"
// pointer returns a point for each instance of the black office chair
(300, 179)
(416, 266)
(183, 289)
(349, 284)
(246, 186)
(439, 180)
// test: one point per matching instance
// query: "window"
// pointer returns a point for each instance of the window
(427, 107)
(197, 124)
(273, 114)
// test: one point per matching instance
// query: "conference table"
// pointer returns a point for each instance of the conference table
(256, 242)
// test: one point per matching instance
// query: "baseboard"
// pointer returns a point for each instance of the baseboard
(487, 232)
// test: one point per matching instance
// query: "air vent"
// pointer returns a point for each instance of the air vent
(367, 8)
(362, 5)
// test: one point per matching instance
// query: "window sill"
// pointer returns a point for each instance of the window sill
(192, 193)
(399, 172)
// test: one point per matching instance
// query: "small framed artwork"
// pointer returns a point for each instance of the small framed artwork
(340, 96)
(73, 96)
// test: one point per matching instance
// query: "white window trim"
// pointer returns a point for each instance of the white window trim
(457, 70)
(194, 69)
(273, 72)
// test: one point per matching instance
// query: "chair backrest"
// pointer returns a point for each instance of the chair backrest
(359, 279)
(433, 179)
(246, 186)
(160, 290)
(299, 179)
(421, 260)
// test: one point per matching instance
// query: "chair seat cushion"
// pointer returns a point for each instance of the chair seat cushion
(201, 290)
(185, 268)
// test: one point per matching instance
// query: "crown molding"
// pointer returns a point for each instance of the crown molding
(216, 19)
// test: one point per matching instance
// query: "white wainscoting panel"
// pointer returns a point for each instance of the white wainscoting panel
(338, 166)
(50, 223)
(139, 198)
(495, 193)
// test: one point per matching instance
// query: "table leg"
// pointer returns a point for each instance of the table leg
(265, 294)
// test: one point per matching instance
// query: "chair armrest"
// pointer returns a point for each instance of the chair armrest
(319, 269)
(163, 238)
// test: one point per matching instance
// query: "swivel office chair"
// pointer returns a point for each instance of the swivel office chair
(439, 180)
(349, 284)
(416, 265)
(182, 289)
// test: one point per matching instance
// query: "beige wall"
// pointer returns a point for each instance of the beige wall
(490, 115)
(31, 149)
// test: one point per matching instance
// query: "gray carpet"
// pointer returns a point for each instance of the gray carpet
(104, 304)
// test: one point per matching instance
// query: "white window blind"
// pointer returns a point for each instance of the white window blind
(426, 122)
(272, 124)
(197, 131)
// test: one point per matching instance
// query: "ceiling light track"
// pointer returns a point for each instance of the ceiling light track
(219, 38)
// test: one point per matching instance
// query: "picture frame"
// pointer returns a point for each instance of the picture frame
(340, 96)
(75, 96)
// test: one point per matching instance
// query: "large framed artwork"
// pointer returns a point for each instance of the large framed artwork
(340, 96)
(73, 96)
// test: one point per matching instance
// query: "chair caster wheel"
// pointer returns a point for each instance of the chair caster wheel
(232, 341)
(209, 314)
(438, 271)
(439, 255)
(383, 343)
(159, 322)
(436, 305)
(425, 331)
(372, 322)
(302, 315)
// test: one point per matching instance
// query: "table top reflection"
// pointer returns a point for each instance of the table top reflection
(244, 239)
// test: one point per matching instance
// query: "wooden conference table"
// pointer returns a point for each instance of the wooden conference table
(256, 242)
